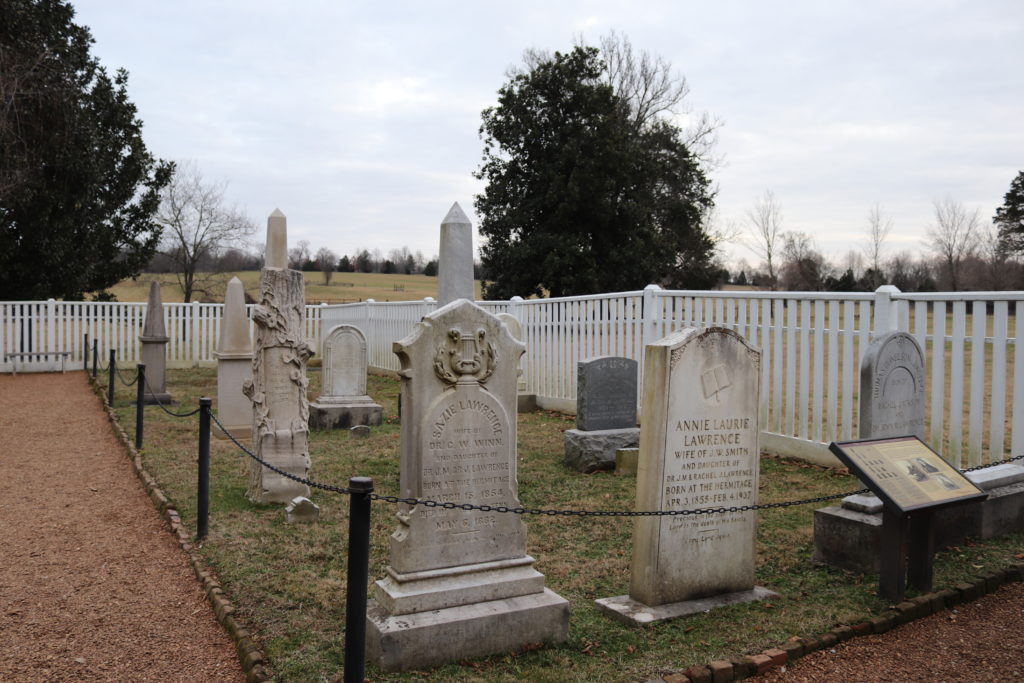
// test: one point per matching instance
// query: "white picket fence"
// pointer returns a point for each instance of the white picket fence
(811, 347)
(42, 327)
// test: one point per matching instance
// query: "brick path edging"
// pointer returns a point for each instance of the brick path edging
(251, 658)
(739, 668)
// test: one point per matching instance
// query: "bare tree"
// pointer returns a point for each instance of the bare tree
(803, 268)
(197, 226)
(298, 255)
(764, 222)
(879, 227)
(650, 88)
(326, 262)
(952, 237)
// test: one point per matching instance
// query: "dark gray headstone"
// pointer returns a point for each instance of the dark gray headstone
(892, 387)
(606, 393)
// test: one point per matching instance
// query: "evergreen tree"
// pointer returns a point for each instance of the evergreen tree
(581, 196)
(78, 189)
(1010, 216)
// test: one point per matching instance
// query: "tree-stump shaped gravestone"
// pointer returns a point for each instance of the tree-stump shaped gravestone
(280, 428)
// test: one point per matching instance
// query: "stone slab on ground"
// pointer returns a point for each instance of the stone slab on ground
(629, 611)
(344, 415)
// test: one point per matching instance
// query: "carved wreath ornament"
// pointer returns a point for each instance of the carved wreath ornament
(465, 356)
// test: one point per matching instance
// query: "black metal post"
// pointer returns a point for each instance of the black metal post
(892, 574)
(358, 573)
(110, 382)
(85, 353)
(140, 399)
(203, 495)
(95, 356)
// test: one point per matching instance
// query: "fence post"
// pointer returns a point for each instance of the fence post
(203, 494)
(649, 319)
(51, 325)
(358, 573)
(95, 356)
(112, 366)
(194, 325)
(85, 353)
(140, 400)
(886, 310)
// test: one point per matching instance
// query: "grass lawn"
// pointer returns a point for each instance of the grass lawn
(288, 582)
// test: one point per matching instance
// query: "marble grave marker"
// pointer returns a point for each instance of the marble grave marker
(605, 413)
(698, 449)
(460, 583)
(234, 366)
(280, 430)
(892, 387)
(343, 402)
(154, 348)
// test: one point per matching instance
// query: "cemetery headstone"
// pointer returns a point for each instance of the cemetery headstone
(359, 432)
(455, 260)
(234, 366)
(892, 387)
(154, 348)
(301, 510)
(460, 583)
(605, 413)
(343, 401)
(280, 430)
(526, 402)
(698, 449)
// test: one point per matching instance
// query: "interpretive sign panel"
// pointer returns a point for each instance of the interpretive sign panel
(906, 473)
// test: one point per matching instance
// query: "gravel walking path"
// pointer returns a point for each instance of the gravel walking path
(92, 585)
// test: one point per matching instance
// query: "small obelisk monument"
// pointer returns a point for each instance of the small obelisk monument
(455, 261)
(154, 348)
(280, 407)
(234, 365)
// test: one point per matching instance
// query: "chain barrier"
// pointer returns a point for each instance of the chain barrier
(121, 377)
(162, 406)
(558, 513)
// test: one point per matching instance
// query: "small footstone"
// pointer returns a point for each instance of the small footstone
(301, 510)
(359, 432)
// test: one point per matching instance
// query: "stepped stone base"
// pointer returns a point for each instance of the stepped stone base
(629, 611)
(152, 399)
(426, 639)
(324, 416)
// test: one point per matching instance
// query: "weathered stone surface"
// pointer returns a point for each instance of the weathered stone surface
(278, 388)
(459, 582)
(359, 432)
(455, 260)
(344, 364)
(698, 448)
(863, 502)
(892, 387)
(426, 639)
(234, 366)
(593, 451)
(154, 348)
(606, 393)
(301, 511)
(527, 403)
(849, 539)
(626, 461)
(344, 415)
(630, 611)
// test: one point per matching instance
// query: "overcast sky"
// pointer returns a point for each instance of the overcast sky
(360, 120)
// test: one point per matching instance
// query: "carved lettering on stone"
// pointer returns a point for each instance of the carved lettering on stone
(892, 388)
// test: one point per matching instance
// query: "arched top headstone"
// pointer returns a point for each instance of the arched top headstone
(344, 363)
(892, 387)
